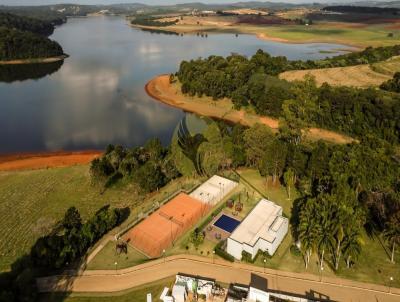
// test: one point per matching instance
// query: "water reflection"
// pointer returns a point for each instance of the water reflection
(22, 72)
(97, 97)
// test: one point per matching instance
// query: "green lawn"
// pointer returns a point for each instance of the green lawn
(32, 201)
(276, 193)
(107, 257)
(137, 294)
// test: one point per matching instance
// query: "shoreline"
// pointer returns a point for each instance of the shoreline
(35, 61)
(161, 90)
(45, 160)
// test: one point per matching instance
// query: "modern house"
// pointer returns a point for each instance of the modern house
(263, 229)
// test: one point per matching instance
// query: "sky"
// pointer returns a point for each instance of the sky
(165, 2)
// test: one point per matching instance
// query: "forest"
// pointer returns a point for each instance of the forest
(35, 26)
(20, 45)
(23, 38)
(393, 84)
(253, 82)
(149, 167)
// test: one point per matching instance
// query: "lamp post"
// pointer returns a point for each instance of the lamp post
(320, 274)
(213, 255)
(265, 261)
(164, 254)
(390, 283)
(116, 266)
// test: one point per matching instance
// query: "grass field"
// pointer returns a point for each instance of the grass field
(107, 257)
(357, 76)
(137, 294)
(32, 201)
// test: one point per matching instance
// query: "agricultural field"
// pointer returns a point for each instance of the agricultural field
(357, 76)
(358, 35)
(137, 294)
(31, 202)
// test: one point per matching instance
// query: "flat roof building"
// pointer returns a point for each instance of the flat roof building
(263, 229)
(213, 190)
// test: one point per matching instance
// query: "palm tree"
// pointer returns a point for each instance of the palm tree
(352, 246)
(339, 239)
(289, 179)
(392, 233)
(327, 221)
(308, 231)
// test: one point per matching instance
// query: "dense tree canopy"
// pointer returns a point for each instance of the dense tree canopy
(393, 84)
(16, 45)
(26, 24)
(148, 166)
(253, 82)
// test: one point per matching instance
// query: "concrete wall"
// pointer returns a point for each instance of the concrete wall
(234, 248)
(279, 237)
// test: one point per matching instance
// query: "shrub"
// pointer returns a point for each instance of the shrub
(222, 253)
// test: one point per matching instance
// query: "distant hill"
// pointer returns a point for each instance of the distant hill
(363, 9)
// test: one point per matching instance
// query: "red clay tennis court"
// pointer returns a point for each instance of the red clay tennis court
(161, 229)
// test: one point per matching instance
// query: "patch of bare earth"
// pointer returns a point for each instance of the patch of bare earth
(35, 161)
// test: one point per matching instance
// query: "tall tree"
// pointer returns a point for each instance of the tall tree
(392, 233)
(289, 180)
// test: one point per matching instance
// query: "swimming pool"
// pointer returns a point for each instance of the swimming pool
(227, 223)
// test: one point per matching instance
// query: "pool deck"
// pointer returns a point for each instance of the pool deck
(212, 231)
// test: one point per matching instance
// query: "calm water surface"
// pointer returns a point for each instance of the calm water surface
(97, 96)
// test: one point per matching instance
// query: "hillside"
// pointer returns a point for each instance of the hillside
(26, 24)
(19, 45)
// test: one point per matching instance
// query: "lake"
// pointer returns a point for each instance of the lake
(97, 96)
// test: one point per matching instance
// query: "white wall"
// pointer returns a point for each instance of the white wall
(257, 295)
(279, 237)
(234, 248)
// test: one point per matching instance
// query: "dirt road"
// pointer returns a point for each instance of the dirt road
(303, 284)
(160, 89)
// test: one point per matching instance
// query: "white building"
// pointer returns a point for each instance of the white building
(214, 190)
(179, 293)
(200, 285)
(263, 229)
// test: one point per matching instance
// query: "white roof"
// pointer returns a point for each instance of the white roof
(262, 222)
(214, 189)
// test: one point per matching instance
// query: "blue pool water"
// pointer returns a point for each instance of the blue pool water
(227, 223)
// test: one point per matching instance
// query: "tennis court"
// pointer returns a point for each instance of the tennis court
(162, 228)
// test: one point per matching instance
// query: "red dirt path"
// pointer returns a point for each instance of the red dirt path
(33, 161)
